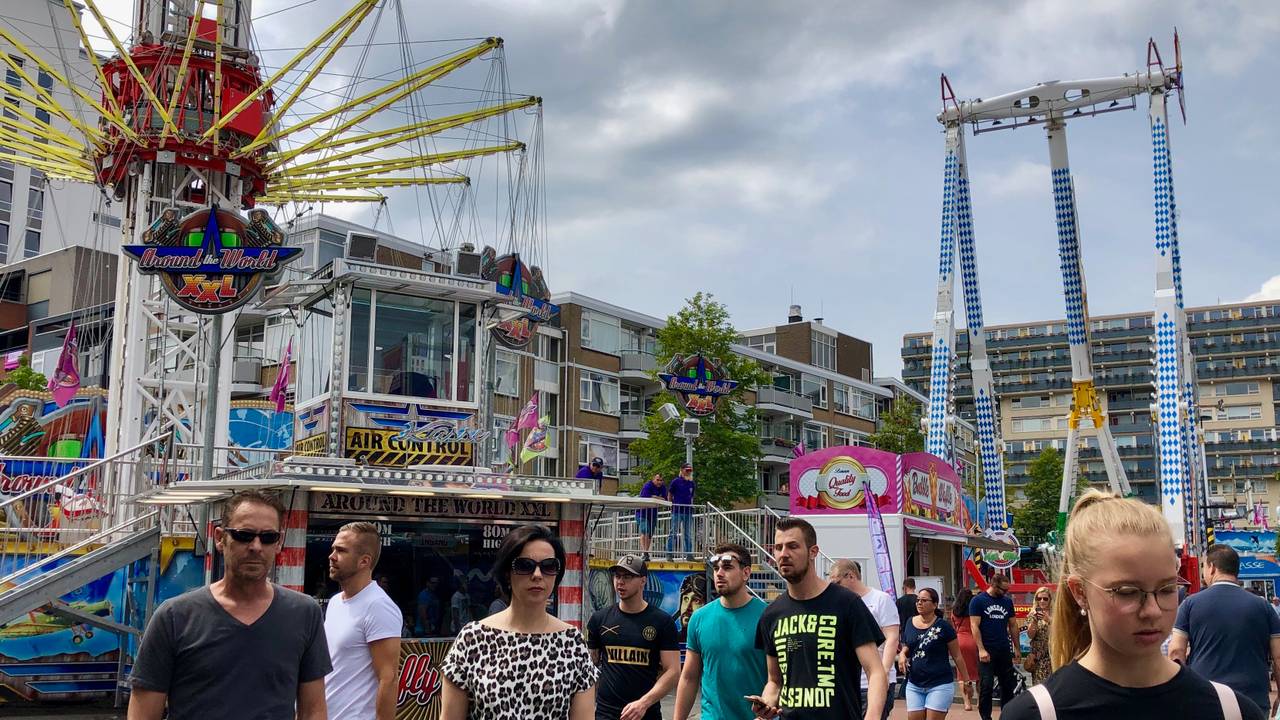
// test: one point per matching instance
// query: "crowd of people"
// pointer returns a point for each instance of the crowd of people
(1115, 639)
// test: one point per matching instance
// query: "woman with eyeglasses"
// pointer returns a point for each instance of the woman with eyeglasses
(1037, 627)
(968, 645)
(521, 662)
(1116, 601)
(927, 641)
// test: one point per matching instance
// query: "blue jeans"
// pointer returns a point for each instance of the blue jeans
(681, 522)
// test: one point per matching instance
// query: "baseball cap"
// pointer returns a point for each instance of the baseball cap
(686, 466)
(633, 564)
(597, 461)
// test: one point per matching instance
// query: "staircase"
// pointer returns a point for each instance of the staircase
(68, 531)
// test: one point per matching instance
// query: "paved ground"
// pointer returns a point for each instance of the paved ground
(899, 711)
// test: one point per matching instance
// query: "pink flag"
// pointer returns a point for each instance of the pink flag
(879, 540)
(65, 381)
(12, 360)
(281, 387)
(529, 415)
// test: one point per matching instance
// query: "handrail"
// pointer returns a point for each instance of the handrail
(71, 549)
(62, 480)
(827, 558)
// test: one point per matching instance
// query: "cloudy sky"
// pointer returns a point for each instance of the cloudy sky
(779, 152)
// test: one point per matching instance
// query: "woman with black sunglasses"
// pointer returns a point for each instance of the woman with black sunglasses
(521, 662)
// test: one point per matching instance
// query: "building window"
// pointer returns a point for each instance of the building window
(1240, 412)
(331, 246)
(249, 341)
(598, 393)
(105, 219)
(506, 373)
(601, 333)
(814, 437)
(824, 350)
(498, 439)
(599, 446)
(639, 341)
(405, 345)
(767, 342)
(1238, 388)
(549, 348)
(631, 400)
(39, 285)
(46, 83)
(814, 388)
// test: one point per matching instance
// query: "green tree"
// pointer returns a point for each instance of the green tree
(900, 428)
(24, 377)
(725, 454)
(1038, 514)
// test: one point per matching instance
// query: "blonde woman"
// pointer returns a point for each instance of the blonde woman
(1037, 628)
(1116, 601)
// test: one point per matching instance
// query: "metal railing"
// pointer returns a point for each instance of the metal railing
(90, 506)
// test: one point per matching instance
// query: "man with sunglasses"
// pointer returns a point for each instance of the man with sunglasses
(241, 647)
(721, 658)
(1228, 634)
(363, 626)
(635, 645)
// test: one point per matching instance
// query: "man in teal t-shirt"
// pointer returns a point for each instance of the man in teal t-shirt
(721, 656)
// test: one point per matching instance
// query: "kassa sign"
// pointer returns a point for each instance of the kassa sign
(213, 260)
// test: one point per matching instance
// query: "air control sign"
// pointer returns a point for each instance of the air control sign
(393, 448)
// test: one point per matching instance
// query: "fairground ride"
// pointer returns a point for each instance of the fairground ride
(1052, 105)
(192, 112)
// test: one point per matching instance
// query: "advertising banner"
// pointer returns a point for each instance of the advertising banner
(931, 489)
(830, 481)
(418, 696)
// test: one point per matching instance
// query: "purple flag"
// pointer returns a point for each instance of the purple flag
(65, 381)
(798, 450)
(280, 389)
(528, 418)
(879, 543)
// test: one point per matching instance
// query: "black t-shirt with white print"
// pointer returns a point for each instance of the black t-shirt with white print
(1081, 695)
(630, 647)
(815, 642)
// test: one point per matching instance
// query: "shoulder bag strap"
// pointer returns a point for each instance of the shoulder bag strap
(1230, 705)
(1044, 703)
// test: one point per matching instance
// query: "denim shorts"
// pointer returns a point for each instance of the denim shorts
(937, 698)
(645, 525)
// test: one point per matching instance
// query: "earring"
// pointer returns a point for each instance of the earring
(1084, 611)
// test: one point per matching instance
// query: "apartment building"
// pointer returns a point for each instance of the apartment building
(1237, 355)
(609, 353)
(38, 214)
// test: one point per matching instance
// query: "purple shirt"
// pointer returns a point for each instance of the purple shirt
(681, 492)
(651, 490)
(586, 472)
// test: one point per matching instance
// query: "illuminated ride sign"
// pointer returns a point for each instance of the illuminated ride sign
(213, 260)
(698, 381)
(526, 287)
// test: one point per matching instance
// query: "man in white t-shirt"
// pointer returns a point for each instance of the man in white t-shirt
(363, 626)
(883, 608)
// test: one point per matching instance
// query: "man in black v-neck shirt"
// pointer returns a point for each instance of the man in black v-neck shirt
(636, 646)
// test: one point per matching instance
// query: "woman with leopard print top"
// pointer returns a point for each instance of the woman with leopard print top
(521, 663)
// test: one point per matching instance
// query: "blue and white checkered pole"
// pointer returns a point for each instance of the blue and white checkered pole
(937, 431)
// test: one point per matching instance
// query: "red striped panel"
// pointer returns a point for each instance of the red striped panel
(575, 623)
(570, 595)
(292, 557)
(573, 561)
(295, 519)
(572, 528)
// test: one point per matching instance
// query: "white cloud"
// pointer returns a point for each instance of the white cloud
(1270, 290)
(1023, 179)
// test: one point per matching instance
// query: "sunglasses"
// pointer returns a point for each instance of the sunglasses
(725, 561)
(526, 566)
(268, 537)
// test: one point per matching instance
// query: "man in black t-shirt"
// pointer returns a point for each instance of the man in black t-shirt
(636, 647)
(814, 639)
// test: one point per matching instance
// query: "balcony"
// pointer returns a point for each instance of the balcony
(775, 401)
(1213, 346)
(1130, 404)
(776, 450)
(637, 366)
(1254, 371)
(1259, 445)
(631, 426)
(1239, 323)
(1243, 471)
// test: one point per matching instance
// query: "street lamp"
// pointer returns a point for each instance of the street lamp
(690, 428)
